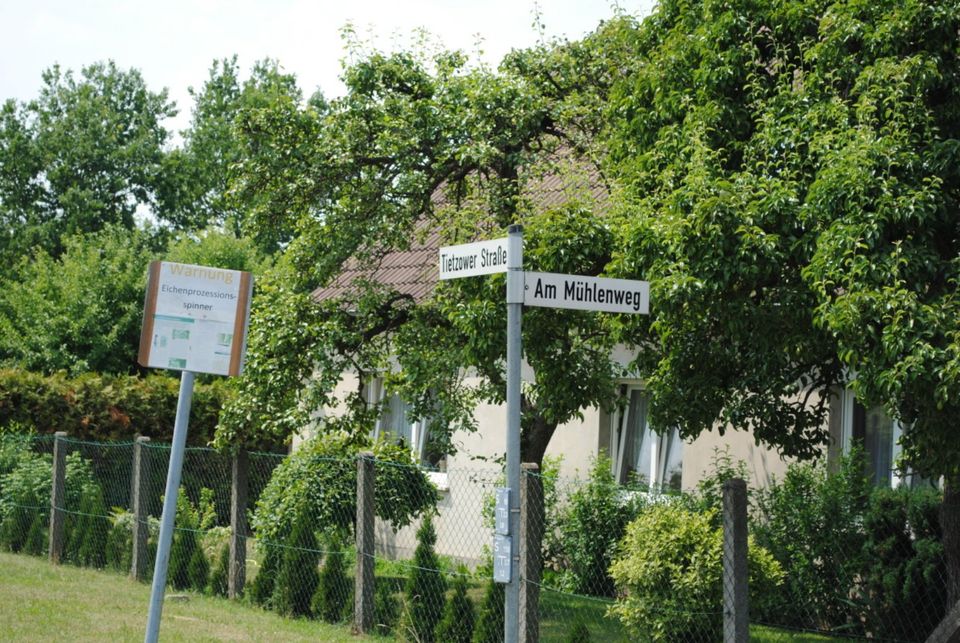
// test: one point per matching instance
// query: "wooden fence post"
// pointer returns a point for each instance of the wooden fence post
(531, 563)
(140, 563)
(363, 584)
(238, 524)
(736, 604)
(57, 497)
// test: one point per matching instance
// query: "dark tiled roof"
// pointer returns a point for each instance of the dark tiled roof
(414, 271)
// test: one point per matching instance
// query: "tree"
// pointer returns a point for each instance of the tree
(426, 586)
(80, 311)
(419, 143)
(85, 154)
(791, 198)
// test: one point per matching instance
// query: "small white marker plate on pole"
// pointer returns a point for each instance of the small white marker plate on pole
(577, 292)
(473, 259)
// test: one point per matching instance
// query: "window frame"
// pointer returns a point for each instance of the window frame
(620, 421)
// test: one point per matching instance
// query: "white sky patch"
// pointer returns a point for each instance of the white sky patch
(173, 43)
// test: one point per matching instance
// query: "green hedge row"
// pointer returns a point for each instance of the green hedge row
(106, 407)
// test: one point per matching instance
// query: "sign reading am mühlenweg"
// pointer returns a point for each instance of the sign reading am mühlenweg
(578, 292)
(195, 318)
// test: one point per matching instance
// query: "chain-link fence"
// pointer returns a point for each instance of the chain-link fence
(411, 558)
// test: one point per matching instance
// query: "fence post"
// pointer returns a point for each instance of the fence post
(238, 524)
(531, 535)
(736, 605)
(139, 564)
(57, 493)
(363, 584)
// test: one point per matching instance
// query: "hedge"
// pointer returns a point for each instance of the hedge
(106, 407)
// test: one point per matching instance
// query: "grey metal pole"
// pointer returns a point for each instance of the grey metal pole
(511, 621)
(169, 506)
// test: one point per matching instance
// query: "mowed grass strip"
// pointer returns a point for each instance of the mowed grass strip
(44, 602)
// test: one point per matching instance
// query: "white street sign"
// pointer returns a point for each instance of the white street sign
(195, 318)
(472, 259)
(577, 292)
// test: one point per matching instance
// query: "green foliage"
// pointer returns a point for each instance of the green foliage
(79, 311)
(119, 546)
(490, 619)
(668, 574)
(219, 578)
(86, 530)
(579, 634)
(426, 586)
(188, 567)
(332, 598)
(457, 621)
(84, 155)
(297, 578)
(588, 528)
(386, 607)
(321, 475)
(219, 249)
(36, 541)
(811, 522)
(106, 407)
(261, 591)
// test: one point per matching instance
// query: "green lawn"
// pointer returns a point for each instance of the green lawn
(44, 602)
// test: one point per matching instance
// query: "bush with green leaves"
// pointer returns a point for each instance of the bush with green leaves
(459, 615)
(426, 586)
(297, 579)
(188, 567)
(668, 575)
(321, 477)
(25, 493)
(261, 590)
(86, 530)
(904, 573)
(490, 620)
(386, 606)
(119, 545)
(219, 577)
(588, 527)
(332, 598)
(812, 523)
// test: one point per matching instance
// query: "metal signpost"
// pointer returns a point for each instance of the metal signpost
(544, 289)
(194, 321)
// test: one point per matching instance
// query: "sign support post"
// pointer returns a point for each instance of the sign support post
(169, 506)
(511, 621)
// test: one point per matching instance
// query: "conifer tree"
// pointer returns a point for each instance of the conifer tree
(219, 579)
(297, 578)
(198, 569)
(261, 591)
(426, 586)
(333, 591)
(36, 539)
(456, 624)
(490, 623)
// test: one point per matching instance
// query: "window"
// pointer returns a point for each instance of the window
(395, 421)
(639, 452)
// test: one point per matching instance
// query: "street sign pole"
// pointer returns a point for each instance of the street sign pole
(169, 506)
(511, 622)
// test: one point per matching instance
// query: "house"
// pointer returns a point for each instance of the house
(636, 451)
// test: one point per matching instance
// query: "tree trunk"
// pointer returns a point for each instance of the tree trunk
(534, 439)
(950, 527)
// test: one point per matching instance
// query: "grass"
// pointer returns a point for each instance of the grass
(44, 602)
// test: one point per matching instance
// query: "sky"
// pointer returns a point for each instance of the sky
(174, 42)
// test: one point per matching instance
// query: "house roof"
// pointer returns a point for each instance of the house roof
(415, 271)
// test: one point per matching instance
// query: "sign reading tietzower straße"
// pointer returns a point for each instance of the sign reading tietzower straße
(195, 318)
(577, 292)
(472, 259)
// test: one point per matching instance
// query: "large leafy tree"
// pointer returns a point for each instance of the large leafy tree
(419, 144)
(85, 154)
(792, 193)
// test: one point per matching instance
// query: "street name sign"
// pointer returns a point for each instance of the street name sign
(577, 292)
(473, 259)
(195, 318)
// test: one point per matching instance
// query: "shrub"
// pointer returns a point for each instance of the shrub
(261, 591)
(457, 621)
(297, 578)
(89, 533)
(119, 554)
(669, 575)
(588, 528)
(36, 543)
(106, 407)
(579, 634)
(425, 587)
(490, 620)
(333, 591)
(220, 578)
(904, 569)
(386, 607)
(185, 566)
(321, 476)
(198, 570)
(812, 523)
